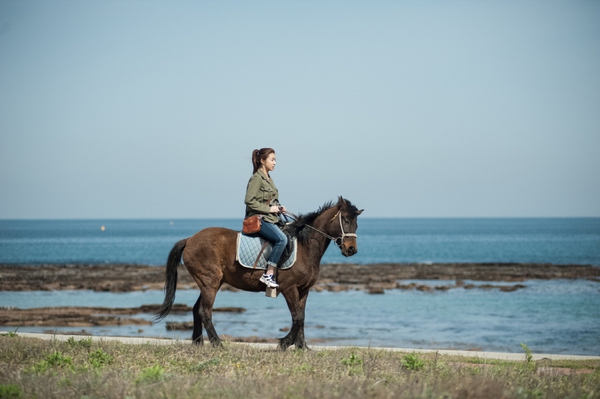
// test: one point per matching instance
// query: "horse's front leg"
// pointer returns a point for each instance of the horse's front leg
(296, 301)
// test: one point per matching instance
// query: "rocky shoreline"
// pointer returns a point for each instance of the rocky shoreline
(373, 279)
(333, 277)
(82, 316)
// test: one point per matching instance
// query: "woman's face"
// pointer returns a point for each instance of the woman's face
(270, 162)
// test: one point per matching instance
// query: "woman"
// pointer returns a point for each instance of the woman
(262, 198)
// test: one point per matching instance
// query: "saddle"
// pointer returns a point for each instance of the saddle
(252, 251)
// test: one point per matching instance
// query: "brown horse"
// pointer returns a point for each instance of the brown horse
(209, 257)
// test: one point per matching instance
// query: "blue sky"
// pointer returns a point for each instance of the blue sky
(150, 109)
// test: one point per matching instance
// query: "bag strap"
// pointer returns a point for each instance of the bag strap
(269, 200)
(260, 254)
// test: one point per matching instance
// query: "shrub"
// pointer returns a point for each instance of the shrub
(205, 365)
(353, 360)
(85, 343)
(55, 359)
(99, 358)
(412, 362)
(10, 391)
(10, 334)
(151, 374)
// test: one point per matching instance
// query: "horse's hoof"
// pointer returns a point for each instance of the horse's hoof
(283, 345)
(198, 342)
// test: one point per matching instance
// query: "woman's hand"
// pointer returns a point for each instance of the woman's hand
(277, 209)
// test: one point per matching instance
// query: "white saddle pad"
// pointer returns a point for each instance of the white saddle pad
(248, 247)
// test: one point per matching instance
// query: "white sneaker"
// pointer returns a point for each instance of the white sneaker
(268, 280)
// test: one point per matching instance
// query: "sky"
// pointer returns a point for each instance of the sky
(151, 109)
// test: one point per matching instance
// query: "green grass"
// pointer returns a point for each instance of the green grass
(31, 368)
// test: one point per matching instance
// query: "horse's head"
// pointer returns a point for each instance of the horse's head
(336, 222)
(343, 225)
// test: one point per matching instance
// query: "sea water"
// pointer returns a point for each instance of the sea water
(148, 242)
(550, 316)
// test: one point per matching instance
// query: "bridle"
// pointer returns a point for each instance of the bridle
(339, 241)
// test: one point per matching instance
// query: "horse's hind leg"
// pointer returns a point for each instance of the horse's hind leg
(205, 310)
(197, 333)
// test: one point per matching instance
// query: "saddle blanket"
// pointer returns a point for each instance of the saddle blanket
(248, 247)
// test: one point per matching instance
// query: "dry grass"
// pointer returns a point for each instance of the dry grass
(81, 368)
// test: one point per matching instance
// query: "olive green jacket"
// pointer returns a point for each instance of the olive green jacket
(261, 193)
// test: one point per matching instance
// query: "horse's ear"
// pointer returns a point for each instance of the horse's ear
(359, 212)
(342, 203)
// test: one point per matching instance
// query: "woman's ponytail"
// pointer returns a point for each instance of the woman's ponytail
(255, 161)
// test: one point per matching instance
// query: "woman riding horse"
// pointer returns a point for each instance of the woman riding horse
(262, 198)
(210, 257)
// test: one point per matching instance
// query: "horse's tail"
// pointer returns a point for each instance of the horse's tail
(173, 261)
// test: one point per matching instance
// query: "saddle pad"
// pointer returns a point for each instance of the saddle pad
(248, 247)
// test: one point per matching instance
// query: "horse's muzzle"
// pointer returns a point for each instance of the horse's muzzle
(349, 249)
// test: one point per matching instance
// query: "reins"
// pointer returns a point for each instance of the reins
(339, 241)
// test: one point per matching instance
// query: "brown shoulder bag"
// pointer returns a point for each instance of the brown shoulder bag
(252, 223)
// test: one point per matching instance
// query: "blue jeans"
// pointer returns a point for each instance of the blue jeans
(274, 234)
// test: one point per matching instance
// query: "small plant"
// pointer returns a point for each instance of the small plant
(151, 374)
(55, 359)
(10, 391)
(11, 334)
(303, 368)
(85, 343)
(65, 382)
(528, 355)
(412, 362)
(99, 358)
(205, 365)
(354, 363)
(353, 360)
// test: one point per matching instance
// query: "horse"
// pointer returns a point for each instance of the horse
(210, 257)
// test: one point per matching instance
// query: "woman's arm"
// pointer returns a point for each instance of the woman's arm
(254, 196)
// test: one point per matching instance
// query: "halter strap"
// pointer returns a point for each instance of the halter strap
(340, 240)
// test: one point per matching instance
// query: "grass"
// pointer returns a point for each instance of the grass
(31, 368)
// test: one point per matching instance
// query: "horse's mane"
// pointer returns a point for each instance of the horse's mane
(297, 228)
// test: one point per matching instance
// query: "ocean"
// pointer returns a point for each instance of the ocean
(549, 316)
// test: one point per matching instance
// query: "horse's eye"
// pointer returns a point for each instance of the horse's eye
(346, 221)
